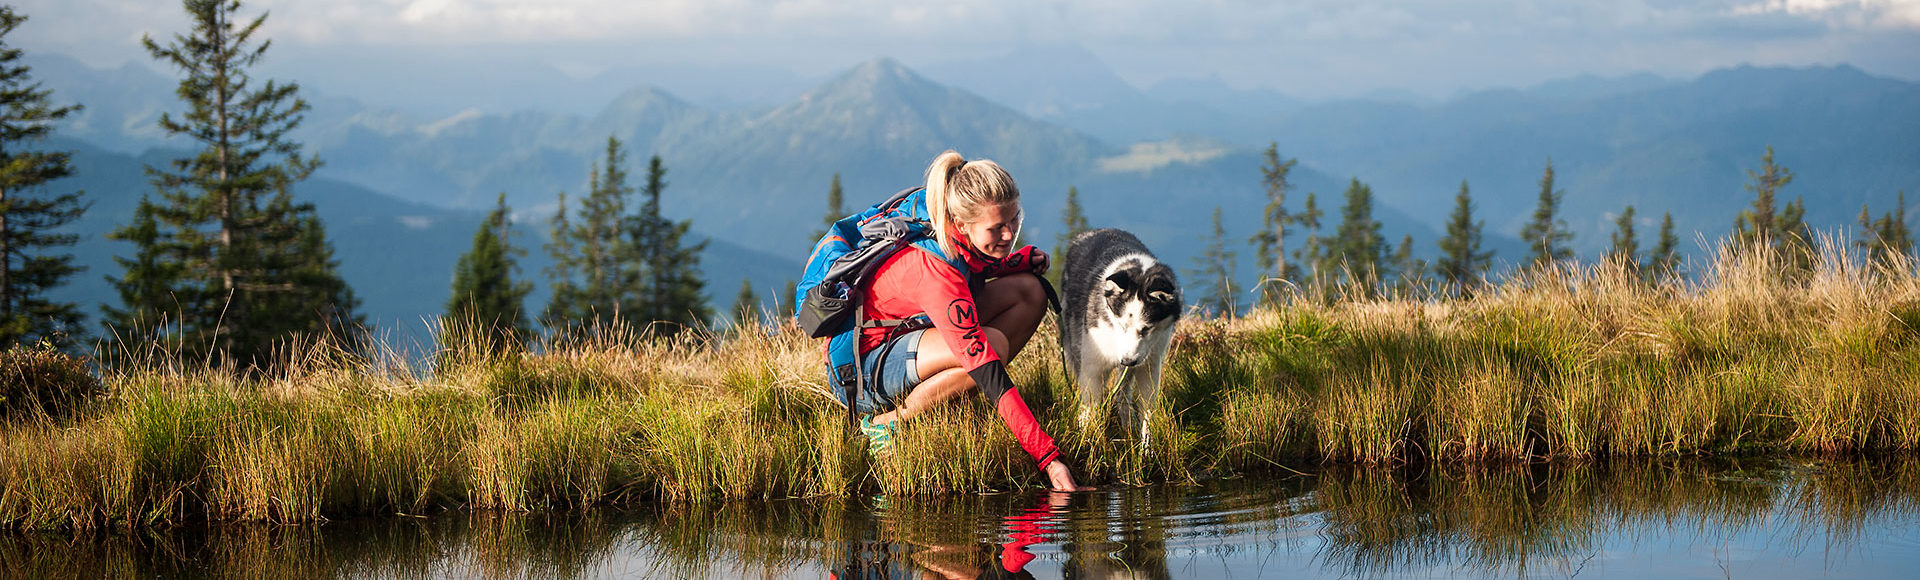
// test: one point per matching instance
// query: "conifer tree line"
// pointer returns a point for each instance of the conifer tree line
(612, 265)
(1356, 256)
(227, 264)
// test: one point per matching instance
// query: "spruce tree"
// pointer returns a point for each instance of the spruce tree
(255, 266)
(1310, 256)
(672, 287)
(1784, 228)
(594, 274)
(836, 202)
(1461, 263)
(1756, 223)
(486, 299)
(784, 302)
(1073, 222)
(1887, 240)
(1357, 246)
(148, 313)
(1664, 261)
(1895, 237)
(746, 306)
(1270, 243)
(1625, 243)
(1214, 276)
(29, 219)
(1412, 270)
(1548, 236)
(562, 305)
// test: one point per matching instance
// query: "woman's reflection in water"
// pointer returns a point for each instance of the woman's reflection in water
(1116, 538)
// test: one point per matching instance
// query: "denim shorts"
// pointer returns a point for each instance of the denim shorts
(891, 373)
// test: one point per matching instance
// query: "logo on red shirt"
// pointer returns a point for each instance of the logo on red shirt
(960, 312)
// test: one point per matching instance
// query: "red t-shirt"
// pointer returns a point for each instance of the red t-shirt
(914, 281)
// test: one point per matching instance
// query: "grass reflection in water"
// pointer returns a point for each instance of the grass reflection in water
(1551, 520)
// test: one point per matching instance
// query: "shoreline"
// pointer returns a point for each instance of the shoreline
(1573, 364)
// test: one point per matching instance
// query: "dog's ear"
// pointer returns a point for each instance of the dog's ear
(1119, 281)
(1160, 286)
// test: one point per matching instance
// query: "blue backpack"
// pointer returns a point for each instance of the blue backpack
(843, 262)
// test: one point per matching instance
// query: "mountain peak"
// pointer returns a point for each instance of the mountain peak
(878, 72)
(880, 79)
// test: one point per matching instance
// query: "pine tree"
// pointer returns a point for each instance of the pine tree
(1757, 222)
(255, 266)
(149, 313)
(836, 201)
(1895, 237)
(28, 222)
(486, 298)
(1796, 238)
(1073, 222)
(1308, 259)
(1270, 243)
(1664, 261)
(672, 299)
(746, 306)
(594, 274)
(1357, 246)
(1461, 262)
(558, 315)
(1625, 243)
(1214, 276)
(1548, 236)
(1412, 270)
(1887, 240)
(1785, 228)
(784, 302)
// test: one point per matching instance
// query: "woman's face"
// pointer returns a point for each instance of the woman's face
(992, 234)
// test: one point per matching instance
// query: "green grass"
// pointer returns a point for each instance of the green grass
(1571, 364)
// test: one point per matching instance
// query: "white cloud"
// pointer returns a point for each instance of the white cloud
(1304, 46)
(1852, 14)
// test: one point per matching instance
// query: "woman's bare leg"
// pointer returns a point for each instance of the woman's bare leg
(944, 377)
(1015, 305)
(1010, 310)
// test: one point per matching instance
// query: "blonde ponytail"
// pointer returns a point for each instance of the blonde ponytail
(957, 189)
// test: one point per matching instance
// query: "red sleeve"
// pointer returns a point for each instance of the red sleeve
(913, 282)
(916, 281)
(1026, 259)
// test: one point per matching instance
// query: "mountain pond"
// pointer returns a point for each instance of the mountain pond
(1793, 517)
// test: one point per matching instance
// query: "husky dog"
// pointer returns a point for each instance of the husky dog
(1120, 308)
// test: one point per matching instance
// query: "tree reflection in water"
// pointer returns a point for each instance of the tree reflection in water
(1509, 521)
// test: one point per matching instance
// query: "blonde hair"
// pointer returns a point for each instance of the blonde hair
(957, 189)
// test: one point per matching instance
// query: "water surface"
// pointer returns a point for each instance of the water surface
(1694, 518)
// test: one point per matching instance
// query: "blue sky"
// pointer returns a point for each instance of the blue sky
(1308, 48)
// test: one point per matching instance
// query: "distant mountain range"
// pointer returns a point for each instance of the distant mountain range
(1155, 161)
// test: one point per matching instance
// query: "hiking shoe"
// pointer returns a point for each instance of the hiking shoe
(879, 436)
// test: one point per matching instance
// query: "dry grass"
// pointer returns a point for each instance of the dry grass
(1570, 363)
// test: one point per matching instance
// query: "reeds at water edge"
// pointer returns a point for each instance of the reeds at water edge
(1569, 363)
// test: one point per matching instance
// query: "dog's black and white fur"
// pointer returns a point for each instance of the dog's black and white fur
(1120, 307)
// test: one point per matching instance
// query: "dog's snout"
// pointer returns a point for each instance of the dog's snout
(1130, 361)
